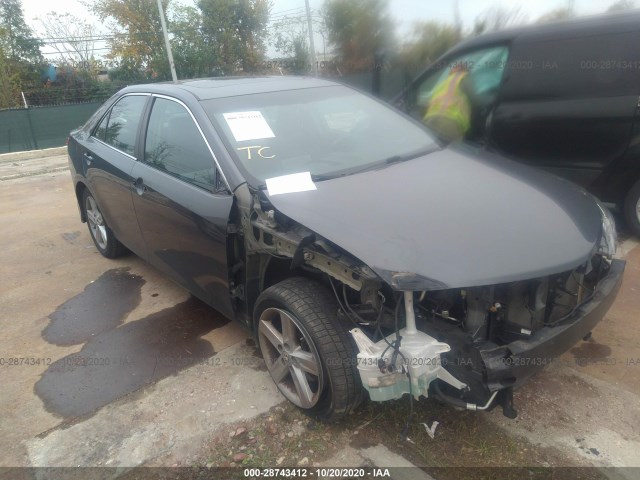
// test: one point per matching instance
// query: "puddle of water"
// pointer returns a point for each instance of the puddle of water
(70, 236)
(102, 306)
(591, 350)
(117, 362)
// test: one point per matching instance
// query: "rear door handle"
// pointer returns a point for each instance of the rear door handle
(87, 158)
(139, 186)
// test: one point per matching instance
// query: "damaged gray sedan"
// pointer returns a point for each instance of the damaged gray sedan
(364, 256)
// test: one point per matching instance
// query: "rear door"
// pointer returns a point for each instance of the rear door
(108, 156)
(182, 203)
(568, 102)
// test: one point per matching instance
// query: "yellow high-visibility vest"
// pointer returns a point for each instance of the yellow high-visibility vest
(448, 100)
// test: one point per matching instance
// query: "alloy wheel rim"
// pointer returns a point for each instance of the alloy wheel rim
(638, 209)
(96, 223)
(291, 357)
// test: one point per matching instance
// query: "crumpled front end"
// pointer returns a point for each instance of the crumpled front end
(470, 347)
(469, 340)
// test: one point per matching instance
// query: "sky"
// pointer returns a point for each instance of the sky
(405, 12)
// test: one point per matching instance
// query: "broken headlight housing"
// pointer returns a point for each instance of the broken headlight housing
(609, 239)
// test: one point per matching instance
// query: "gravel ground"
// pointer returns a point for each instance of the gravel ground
(218, 406)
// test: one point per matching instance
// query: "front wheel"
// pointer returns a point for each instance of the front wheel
(632, 208)
(102, 236)
(308, 351)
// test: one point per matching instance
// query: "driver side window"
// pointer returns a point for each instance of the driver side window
(486, 68)
(480, 86)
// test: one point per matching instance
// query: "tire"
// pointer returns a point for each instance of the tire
(322, 353)
(102, 236)
(632, 208)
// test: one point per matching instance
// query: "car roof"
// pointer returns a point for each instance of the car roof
(221, 87)
(594, 24)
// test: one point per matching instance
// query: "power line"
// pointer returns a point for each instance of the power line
(115, 35)
(285, 12)
(59, 52)
(102, 37)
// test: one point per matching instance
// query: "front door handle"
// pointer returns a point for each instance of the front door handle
(87, 158)
(139, 186)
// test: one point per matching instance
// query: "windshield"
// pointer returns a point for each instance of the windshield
(325, 131)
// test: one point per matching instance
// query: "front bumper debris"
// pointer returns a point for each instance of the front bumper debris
(513, 364)
(424, 364)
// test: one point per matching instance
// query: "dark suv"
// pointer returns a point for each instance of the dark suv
(563, 97)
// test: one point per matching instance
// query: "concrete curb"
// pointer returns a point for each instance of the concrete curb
(34, 173)
(378, 456)
(29, 154)
(382, 457)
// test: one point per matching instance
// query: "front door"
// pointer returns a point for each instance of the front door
(181, 206)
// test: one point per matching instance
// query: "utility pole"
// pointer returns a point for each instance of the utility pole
(172, 65)
(456, 16)
(311, 45)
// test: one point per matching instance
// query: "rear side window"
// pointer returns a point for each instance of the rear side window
(601, 65)
(119, 127)
(174, 144)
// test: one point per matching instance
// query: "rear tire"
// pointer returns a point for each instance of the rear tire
(308, 350)
(632, 208)
(102, 236)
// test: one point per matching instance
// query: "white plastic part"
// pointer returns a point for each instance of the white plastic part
(419, 357)
(431, 430)
(410, 314)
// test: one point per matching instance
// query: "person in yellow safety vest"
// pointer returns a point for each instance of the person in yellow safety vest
(449, 111)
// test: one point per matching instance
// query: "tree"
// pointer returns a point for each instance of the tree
(137, 45)
(192, 55)
(20, 57)
(556, 15)
(235, 32)
(359, 30)
(429, 41)
(9, 94)
(290, 40)
(72, 39)
(621, 6)
(497, 18)
(16, 38)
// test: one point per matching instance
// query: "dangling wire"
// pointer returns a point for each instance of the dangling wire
(395, 345)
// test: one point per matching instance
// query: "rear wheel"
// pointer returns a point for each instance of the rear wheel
(308, 351)
(102, 236)
(632, 208)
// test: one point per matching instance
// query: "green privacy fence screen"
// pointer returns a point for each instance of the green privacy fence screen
(41, 127)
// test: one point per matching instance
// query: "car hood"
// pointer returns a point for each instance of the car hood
(452, 219)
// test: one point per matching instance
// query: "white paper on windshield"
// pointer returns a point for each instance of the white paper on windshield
(296, 182)
(248, 126)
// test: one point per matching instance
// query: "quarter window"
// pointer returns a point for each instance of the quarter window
(174, 144)
(119, 127)
(101, 131)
